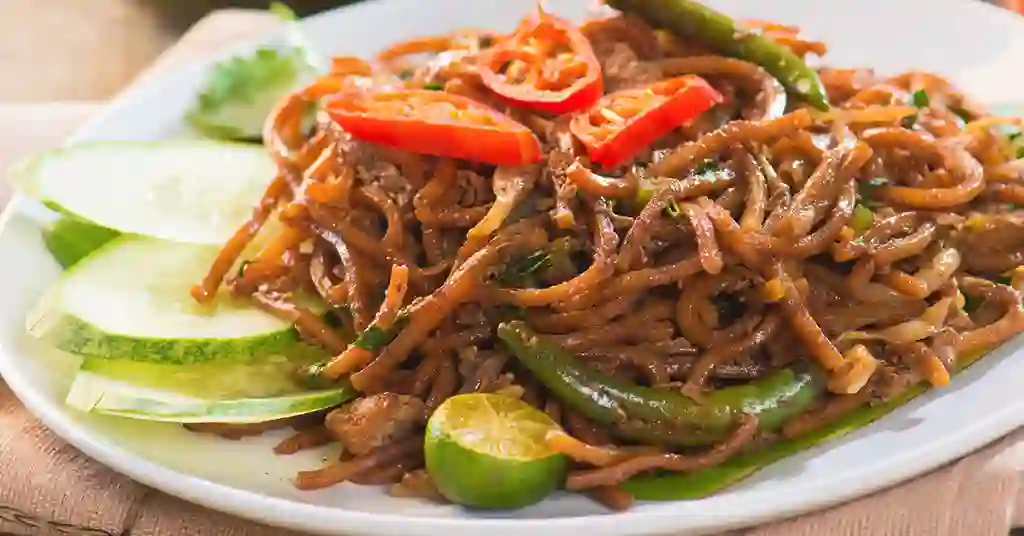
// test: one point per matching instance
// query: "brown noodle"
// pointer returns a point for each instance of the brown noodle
(765, 260)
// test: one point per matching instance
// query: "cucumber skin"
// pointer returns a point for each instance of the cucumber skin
(74, 335)
(196, 410)
(69, 333)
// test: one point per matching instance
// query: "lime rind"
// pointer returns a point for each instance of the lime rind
(489, 451)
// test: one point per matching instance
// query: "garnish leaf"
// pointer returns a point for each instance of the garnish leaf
(240, 92)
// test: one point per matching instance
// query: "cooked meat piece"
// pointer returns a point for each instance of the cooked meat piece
(991, 243)
(889, 381)
(376, 420)
(623, 69)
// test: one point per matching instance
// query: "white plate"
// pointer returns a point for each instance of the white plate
(980, 47)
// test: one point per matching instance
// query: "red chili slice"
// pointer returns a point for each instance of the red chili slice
(546, 65)
(622, 123)
(435, 123)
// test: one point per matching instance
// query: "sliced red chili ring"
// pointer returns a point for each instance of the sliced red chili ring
(546, 64)
(435, 123)
(625, 122)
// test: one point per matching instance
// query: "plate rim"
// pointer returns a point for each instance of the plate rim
(324, 519)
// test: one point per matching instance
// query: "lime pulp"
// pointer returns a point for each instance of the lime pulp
(489, 451)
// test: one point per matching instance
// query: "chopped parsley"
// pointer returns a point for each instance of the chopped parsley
(522, 273)
(862, 219)
(866, 190)
(707, 166)
(963, 114)
(920, 99)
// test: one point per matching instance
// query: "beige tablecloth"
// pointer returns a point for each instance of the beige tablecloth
(49, 488)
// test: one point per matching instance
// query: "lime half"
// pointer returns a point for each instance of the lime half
(488, 451)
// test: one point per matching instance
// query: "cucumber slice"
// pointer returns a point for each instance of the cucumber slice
(93, 391)
(274, 375)
(130, 300)
(70, 239)
(192, 191)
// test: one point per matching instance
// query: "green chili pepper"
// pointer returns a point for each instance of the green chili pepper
(862, 218)
(704, 482)
(699, 484)
(693, 20)
(659, 415)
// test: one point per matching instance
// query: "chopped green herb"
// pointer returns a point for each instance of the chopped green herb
(535, 262)
(963, 114)
(241, 268)
(707, 166)
(1005, 279)
(406, 74)
(239, 92)
(242, 83)
(434, 86)
(971, 303)
(909, 122)
(672, 209)
(920, 99)
(522, 272)
(645, 192)
(866, 189)
(560, 254)
(862, 219)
